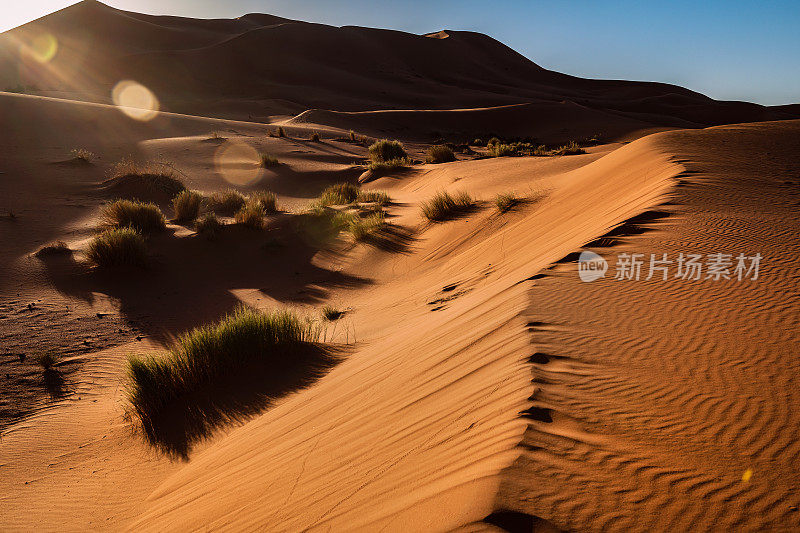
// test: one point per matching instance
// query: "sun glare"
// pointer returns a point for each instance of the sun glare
(42, 48)
(237, 163)
(135, 100)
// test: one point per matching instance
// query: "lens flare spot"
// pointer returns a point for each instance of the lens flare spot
(238, 163)
(135, 100)
(42, 48)
(747, 475)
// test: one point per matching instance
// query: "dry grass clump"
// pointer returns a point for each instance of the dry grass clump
(331, 313)
(381, 198)
(387, 155)
(187, 206)
(251, 215)
(267, 200)
(315, 137)
(439, 154)
(226, 202)
(268, 161)
(47, 361)
(211, 357)
(444, 206)
(505, 201)
(83, 155)
(281, 132)
(208, 225)
(572, 148)
(362, 228)
(118, 247)
(158, 178)
(339, 194)
(143, 217)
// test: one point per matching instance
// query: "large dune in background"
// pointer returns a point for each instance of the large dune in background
(259, 66)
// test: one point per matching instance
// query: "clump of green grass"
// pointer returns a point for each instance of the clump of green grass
(331, 313)
(83, 155)
(211, 357)
(267, 200)
(187, 206)
(208, 225)
(251, 215)
(339, 194)
(143, 217)
(571, 148)
(387, 155)
(362, 228)
(118, 247)
(439, 154)
(378, 197)
(444, 206)
(268, 161)
(505, 201)
(226, 202)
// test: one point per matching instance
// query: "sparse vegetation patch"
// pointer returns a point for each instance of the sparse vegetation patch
(439, 154)
(505, 201)
(143, 217)
(227, 202)
(187, 206)
(118, 247)
(443, 206)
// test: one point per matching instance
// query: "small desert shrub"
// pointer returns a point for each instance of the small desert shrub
(47, 361)
(145, 218)
(315, 137)
(151, 177)
(502, 150)
(385, 151)
(379, 197)
(386, 166)
(227, 202)
(572, 148)
(494, 140)
(268, 161)
(267, 199)
(439, 154)
(505, 201)
(187, 206)
(331, 313)
(211, 356)
(362, 228)
(82, 154)
(209, 225)
(58, 248)
(251, 215)
(339, 194)
(443, 205)
(118, 247)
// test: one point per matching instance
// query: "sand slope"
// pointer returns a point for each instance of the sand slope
(656, 397)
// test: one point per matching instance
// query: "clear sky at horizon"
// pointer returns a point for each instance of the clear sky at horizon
(728, 50)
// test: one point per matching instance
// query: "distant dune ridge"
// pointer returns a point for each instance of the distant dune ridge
(261, 65)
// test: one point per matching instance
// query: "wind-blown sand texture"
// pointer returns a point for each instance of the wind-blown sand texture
(480, 382)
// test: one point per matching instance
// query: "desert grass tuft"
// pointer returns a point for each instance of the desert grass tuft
(118, 247)
(83, 155)
(151, 176)
(187, 206)
(387, 155)
(268, 161)
(315, 137)
(251, 215)
(339, 194)
(571, 148)
(144, 217)
(213, 356)
(331, 313)
(506, 201)
(226, 202)
(267, 200)
(48, 361)
(439, 154)
(443, 206)
(362, 228)
(208, 225)
(379, 197)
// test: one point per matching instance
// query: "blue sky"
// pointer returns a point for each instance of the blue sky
(726, 49)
